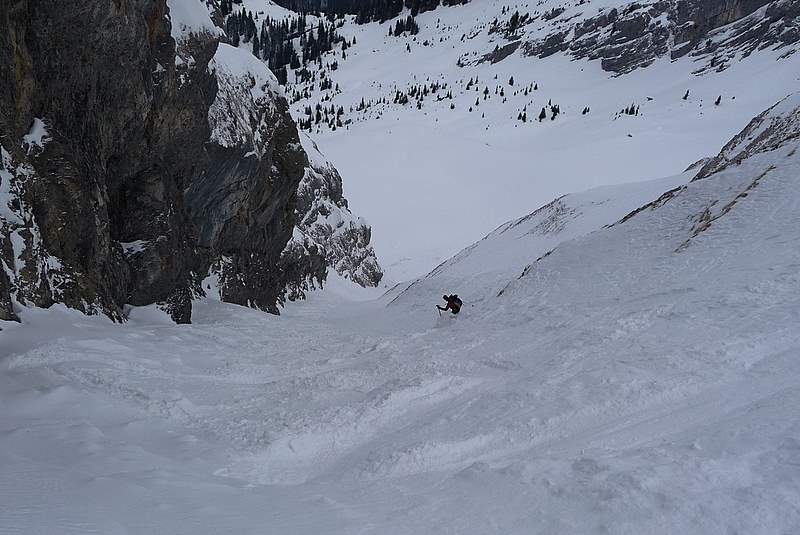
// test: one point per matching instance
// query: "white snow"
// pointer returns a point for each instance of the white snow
(245, 97)
(37, 137)
(265, 8)
(17, 248)
(606, 375)
(486, 266)
(190, 17)
(240, 64)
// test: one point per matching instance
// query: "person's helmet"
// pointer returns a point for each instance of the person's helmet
(444, 297)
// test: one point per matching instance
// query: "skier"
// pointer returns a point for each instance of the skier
(453, 304)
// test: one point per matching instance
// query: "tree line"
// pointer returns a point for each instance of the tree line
(366, 10)
(273, 42)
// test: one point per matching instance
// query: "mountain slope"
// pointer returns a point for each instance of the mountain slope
(455, 151)
(484, 268)
(639, 378)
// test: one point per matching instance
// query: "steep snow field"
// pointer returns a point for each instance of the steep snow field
(643, 377)
(433, 180)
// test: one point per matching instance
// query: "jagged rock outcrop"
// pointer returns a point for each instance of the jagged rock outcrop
(243, 205)
(327, 235)
(635, 35)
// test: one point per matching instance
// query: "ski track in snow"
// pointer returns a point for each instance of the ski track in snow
(650, 389)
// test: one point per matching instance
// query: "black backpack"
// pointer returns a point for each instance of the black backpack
(456, 300)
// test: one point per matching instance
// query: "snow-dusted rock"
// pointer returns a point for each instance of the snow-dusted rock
(246, 103)
(635, 34)
(242, 205)
(326, 223)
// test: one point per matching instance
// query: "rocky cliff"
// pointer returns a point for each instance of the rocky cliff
(715, 32)
(138, 155)
(115, 129)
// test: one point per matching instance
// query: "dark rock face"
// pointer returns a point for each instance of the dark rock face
(501, 52)
(122, 140)
(696, 18)
(114, 189)
(243, 206)
(6, 306)
(641, 32)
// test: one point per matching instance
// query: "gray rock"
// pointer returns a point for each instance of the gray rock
(6, 306)
(243, 206)
(135, 194)
(327, 231)
(635, 36)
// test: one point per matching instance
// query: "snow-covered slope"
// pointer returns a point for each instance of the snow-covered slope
(641, 378)
(432, 169)
(484, 268)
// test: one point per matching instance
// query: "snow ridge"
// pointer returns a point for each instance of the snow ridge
(770, 130)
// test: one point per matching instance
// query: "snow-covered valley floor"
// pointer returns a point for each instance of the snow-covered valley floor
(432, 180)
(643, 378)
